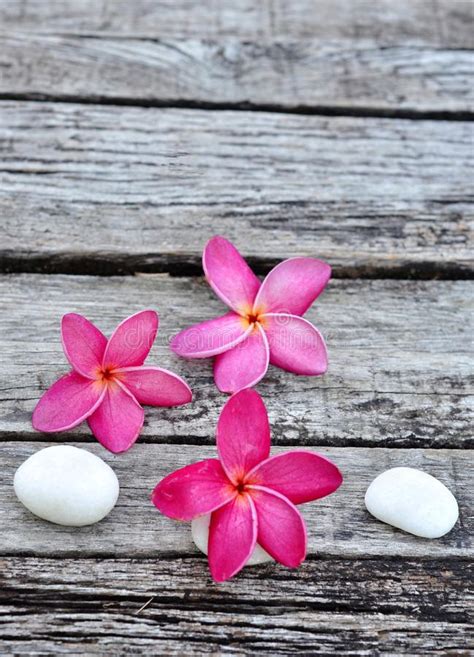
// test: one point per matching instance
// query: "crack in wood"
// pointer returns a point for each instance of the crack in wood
(190, 265)
(302, 110)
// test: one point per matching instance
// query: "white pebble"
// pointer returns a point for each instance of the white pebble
(200, 532)
(67, 486)
(414, 501)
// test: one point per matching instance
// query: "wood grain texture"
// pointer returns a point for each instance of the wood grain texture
(440, 23)
(425, 590)
(337, 525)
(285, 74)
(400, 369)
(178, 633)
(325, 607)
(94, 188)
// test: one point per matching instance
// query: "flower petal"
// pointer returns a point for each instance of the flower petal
(232, 537)
(281, 528)
(155, 386)
(118, 420)
(132, 340)
(200, 534)
(295, 344)
(243, 434)
(229, 275)
(193, 490)
(244, 365)
(292, 286)
(83, 344)
(67, 403)
(299, 475)
(211, 337)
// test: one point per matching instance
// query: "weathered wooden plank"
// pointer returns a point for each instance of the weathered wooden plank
(171, 632)
(327, 607)
(337, 525)
(442, 22)
(133, 187)
(285, 74)
(425, 590)
(400, 369)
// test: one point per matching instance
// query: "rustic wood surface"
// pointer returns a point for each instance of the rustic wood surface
(108, 189)
(290, 74)
(370, 606)
(325, 55)
(391, 382)
(338, 525)
(131, 132)
(443, 23)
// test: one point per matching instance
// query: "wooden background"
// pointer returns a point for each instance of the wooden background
(130, 133)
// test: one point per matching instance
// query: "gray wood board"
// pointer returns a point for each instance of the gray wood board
(400, 370)
(114, 188)
(191, 633)
(440, 23)
(338, 525)
(285, 74)
(326, 607)
(421, 589)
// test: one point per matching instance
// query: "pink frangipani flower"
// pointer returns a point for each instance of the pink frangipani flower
(265, 323)
(108, 382)
(250, 495)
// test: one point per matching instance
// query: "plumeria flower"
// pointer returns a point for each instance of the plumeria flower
(250, 495)
(108, 382)
(265, 323)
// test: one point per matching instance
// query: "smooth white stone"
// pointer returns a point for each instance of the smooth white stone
(414, 501)
(200, 532)
(67, 486)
